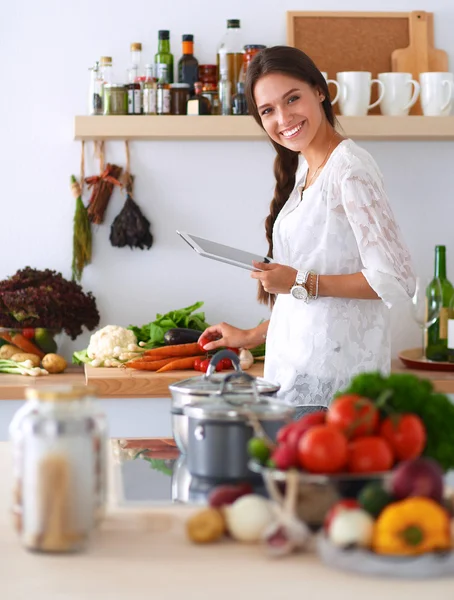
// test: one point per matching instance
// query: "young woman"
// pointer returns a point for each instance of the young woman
(339, 259)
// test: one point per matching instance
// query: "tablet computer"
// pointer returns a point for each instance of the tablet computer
(226, 254)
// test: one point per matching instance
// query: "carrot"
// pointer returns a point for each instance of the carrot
(26, 345)
(177, 350)
(6, 336)
(180, 363)
(148, 365)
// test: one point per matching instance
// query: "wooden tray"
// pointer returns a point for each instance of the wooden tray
(363, 41)
(414, 359)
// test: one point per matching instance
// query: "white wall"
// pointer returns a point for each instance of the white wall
(220, 190)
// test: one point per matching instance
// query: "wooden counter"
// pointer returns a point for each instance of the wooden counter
(126, 383)
(143, 553)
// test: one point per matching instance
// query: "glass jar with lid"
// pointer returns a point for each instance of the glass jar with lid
(115, 100)
(250, 50)
(179, 96)
(208, 74)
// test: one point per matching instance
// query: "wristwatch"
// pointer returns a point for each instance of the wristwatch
(299, 289)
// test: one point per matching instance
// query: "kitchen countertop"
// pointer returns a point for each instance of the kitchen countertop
(111, 383)
(142, 552)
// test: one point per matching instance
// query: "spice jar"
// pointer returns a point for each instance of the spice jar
(249, 52)
(179, 96)
(115, 99)
(59, 445)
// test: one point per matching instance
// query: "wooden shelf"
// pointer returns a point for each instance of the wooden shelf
(409, 128)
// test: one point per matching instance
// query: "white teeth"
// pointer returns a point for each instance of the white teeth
(290, 132)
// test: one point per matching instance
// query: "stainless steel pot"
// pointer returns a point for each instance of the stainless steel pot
(220, 429)
(207, 386)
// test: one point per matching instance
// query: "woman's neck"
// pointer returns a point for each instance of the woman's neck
(324, 142)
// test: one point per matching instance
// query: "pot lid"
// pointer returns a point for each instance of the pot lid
(237, 407)
(207, 386)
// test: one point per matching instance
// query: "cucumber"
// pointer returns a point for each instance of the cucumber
(181, 335)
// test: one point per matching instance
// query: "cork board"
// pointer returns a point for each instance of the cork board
(349, 41)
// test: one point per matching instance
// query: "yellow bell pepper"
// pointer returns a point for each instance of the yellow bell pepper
(412, 526)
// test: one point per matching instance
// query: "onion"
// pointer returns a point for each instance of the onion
(248, 517)
(418, 477)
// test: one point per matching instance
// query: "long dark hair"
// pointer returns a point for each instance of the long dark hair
(293, 62)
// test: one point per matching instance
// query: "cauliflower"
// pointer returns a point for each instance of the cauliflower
(110, 341)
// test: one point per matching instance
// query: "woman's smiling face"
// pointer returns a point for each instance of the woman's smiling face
(290, 110)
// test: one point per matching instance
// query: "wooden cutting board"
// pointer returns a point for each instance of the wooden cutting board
(420, 55)
(128, 383)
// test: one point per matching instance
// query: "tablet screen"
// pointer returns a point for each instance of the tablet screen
(227, 254)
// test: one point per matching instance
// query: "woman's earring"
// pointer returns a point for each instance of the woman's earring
(322, 98)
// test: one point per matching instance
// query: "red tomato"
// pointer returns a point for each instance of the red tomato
(28, 333)
(204, 365)
(303, 425)
(405, 434)
(346, 504)
(323, 449)
(354, 415)
(226, 363)
(207, 337)
(369, 455)
(197, 363)
(235, 350)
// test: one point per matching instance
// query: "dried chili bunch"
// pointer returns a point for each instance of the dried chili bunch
(103, 186)
(82, 241)
(34, 298)
(130, 227)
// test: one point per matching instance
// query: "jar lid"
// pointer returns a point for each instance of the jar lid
(105, 60)
(115, 85)
(238, 409)
(233, 23)
(208, 67)
(257, 47)
(136, 47)
(59, 393)
(183, 391)
(181, 86)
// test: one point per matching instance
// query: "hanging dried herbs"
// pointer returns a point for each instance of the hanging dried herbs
(82, 242)
(103, 186)
(130, 227)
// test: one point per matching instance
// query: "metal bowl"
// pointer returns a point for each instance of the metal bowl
(317, 493)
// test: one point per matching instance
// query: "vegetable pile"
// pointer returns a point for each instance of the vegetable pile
(21, 356)
(34, 298)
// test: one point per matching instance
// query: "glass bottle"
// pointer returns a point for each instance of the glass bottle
(230, 54)
(149, 92)
(95, 91)
(451, 331)
(163, 57)
(225, 95)
(198, 104)
(136, 59)
(188, 65)
(163, 93)
(250, 50)
(106, 69)
(239, 104)
(437, 334)
(134, 93)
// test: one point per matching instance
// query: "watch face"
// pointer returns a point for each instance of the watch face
(299, 292)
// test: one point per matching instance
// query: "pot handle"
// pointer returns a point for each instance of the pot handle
(219, 356)
(242, 376)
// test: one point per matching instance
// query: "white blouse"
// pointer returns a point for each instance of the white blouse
(344, 224)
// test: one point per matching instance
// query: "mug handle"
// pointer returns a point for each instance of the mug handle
(335, 83)
(416, 90)
(382, 93)
(450, 86)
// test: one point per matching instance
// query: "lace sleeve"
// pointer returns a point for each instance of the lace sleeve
(386, 259)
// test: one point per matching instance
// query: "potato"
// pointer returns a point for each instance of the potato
(21, 356)
(7, 351)
(54, 363)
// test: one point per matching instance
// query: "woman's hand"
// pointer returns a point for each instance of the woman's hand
(223, 335)
(275, 278)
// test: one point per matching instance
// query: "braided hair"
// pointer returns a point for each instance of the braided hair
(293, 62)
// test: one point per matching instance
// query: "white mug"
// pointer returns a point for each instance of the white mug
(334, 82)
(355, 88)
(437, 93)
(398, 97)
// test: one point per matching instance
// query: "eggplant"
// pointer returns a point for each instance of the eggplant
(181, 335)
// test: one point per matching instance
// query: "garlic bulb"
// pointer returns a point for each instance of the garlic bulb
(246, 359)
(248, 517)
(286, 535)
